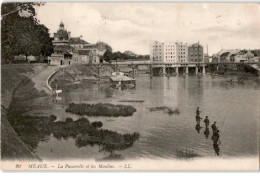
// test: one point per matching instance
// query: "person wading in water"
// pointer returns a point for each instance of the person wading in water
(198, 115)
(206, 121)
(215, 137)
(214, 127)
(216, 141)
(198, 111)
(198, 119)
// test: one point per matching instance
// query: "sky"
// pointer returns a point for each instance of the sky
(133, 26)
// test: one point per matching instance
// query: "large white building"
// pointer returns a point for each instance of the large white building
(157, 52)
(168, 52)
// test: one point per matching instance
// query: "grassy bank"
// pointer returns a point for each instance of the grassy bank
(231, 69)
(101, 109)
(13, 76)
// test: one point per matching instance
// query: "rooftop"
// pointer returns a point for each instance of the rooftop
(84, 52)
(77, 40)
(121, 78)
(63, 48)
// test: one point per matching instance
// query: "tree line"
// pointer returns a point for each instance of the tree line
(109, 56)
(22, 33)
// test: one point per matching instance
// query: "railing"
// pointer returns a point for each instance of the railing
(49, 78)
(176, 63)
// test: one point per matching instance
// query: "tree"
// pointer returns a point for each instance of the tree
(108, 47)
(107, 56)
(22, 33)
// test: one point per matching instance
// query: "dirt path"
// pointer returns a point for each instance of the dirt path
(40, 79)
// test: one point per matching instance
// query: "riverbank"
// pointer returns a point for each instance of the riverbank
(12, 76)
(76, 76)
(33, 128)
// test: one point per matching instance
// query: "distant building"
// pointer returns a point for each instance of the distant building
(96, 50)
(195, 53)
(62, 55)
(235, 55)
(207, 58)
(177, 52)
(224, 57)
(77, 42)
(256, 52)
(243, 56)
(62, 36)
(74, 50)
(168, 52)
(157, 52)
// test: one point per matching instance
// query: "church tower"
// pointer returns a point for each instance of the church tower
(61, 26)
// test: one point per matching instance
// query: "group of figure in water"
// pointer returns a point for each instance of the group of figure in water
(215, 136)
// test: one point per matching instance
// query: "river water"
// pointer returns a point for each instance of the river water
(235, 108)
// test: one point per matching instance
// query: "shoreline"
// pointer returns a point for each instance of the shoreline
(27, 89)
(12, 147)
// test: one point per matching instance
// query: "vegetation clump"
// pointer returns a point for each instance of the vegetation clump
(166, 109)
(101, 109)
(33, 129)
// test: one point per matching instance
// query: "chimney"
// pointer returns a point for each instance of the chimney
(69, 35)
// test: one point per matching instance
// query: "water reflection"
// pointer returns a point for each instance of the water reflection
(198, 127)
(33, 130)
(216, 148)
(207, 132)
(216, 141)
(215, 96)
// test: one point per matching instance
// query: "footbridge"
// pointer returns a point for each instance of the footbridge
(167, 67)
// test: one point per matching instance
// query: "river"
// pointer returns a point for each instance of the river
(235, 108)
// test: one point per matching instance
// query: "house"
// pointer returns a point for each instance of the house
(85, 56)
(224, 57)
(74, 50)
(243, 56)
(77, 42)
(195, 53)
(119, 79)
(62, 55)
(97, 50)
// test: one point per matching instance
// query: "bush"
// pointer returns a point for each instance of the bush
(97, 124)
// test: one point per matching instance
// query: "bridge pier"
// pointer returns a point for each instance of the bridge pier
(177, 70)
(151, 71)
(164, 70)
(203, 69)
(196, 70)
(167, 71)
(187, 70)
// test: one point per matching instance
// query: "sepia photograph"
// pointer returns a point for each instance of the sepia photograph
(130, 86)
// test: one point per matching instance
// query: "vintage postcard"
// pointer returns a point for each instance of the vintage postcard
(130, 86)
